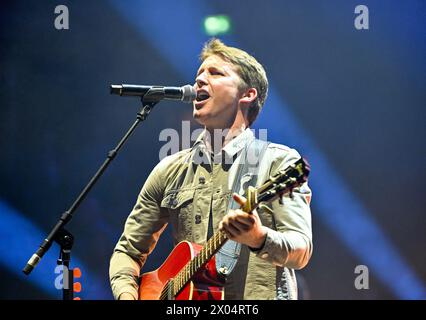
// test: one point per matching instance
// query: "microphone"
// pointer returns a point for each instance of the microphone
(186, 93)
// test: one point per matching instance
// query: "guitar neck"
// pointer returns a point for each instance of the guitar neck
(209, 250)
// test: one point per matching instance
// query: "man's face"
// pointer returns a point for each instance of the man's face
(217, 84)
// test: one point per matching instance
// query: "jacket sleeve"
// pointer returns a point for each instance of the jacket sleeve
(289, 243)
(142, 230)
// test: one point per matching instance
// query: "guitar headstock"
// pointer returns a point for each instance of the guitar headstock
(284, 181)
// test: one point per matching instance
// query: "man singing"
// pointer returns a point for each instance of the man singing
(194, 196)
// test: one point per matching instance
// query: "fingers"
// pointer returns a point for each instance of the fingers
(240, 226)
(239, 199)
(232, 231)
(246, 219)
(236, 223)
(240, 216)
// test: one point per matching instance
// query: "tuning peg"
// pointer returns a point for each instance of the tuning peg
(272, 193)
(265, 208)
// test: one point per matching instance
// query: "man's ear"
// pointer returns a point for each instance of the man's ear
(249, 96)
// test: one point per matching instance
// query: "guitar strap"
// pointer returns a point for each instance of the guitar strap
(227, 256)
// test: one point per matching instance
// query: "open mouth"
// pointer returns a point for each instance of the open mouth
(202, 95)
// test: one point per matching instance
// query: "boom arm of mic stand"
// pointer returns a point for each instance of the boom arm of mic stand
(149, 100)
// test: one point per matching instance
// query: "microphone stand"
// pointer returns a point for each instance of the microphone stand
(62, 236)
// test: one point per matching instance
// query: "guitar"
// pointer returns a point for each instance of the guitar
(189, 272)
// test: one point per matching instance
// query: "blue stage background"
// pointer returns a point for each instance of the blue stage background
(352, 101)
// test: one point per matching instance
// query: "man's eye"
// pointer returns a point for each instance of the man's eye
(215, 72)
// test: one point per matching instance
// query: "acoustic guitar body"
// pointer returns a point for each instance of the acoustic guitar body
(206, 284)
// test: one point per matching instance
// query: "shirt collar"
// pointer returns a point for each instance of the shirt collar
(232, 147)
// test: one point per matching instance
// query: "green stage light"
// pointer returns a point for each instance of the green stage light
(217, 25)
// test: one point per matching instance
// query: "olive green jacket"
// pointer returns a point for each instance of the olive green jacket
(185, 187)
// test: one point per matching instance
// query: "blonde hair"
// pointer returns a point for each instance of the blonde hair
(251, 72)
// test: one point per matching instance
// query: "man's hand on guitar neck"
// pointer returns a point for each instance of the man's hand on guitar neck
(243, 227)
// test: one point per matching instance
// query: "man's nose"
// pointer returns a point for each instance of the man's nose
(201, 81)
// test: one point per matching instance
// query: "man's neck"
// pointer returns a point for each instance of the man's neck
(217, 139)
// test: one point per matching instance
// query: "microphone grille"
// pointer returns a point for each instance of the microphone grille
(188, 93)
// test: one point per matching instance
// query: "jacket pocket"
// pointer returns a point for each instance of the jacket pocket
(180, 206)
